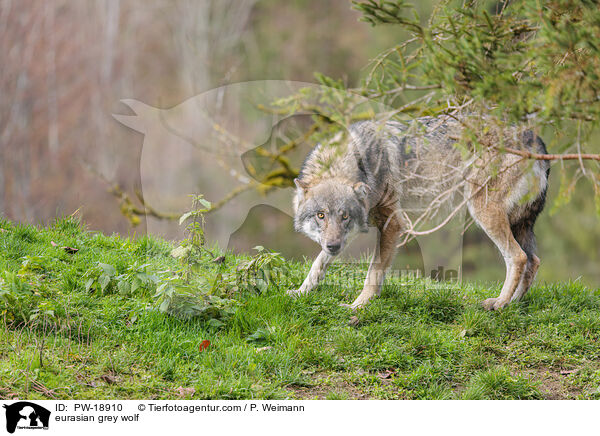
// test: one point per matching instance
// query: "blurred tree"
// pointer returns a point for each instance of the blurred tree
(65, 67)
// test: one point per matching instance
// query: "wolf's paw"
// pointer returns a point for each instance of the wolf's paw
(360, 302)
(294, 292)
(493, 304)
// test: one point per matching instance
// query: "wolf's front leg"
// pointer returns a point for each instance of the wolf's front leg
(389, 232)
(374, 279)
(315, 275)
(372, 286)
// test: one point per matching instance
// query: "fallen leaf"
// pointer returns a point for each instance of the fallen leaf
(263, 348)
(219, 259)
(353, 321)
(568, 371)
(204, 345)
(54, 244)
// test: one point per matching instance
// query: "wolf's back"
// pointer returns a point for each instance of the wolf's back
(418, 157)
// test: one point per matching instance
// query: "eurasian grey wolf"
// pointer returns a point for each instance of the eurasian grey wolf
(382, 173)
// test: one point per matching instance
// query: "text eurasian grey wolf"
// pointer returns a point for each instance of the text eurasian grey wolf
(384, 173)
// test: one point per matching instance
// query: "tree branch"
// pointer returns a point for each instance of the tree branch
(539, 156)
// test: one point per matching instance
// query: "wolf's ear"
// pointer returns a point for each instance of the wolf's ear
(362, 190)
(302, 187)
(300, 184)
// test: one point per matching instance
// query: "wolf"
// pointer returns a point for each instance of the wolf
(387, 173)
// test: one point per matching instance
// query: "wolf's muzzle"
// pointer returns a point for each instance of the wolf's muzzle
(334, 248)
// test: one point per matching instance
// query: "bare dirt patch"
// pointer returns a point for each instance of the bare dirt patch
(553, 383)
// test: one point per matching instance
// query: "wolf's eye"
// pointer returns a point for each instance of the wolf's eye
(345, 216)
(320, 215)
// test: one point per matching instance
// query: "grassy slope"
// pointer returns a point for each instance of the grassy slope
(418, 341)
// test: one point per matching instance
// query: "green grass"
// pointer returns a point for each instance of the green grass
(122, 318)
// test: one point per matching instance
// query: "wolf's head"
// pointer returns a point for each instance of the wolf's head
(330, 212)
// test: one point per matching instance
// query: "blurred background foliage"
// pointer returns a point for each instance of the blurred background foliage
(67, 65)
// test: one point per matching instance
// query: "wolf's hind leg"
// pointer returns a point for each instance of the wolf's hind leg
(527, 278)
(494, 221)
(389, 232)
(523, 233)
(315, 275)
